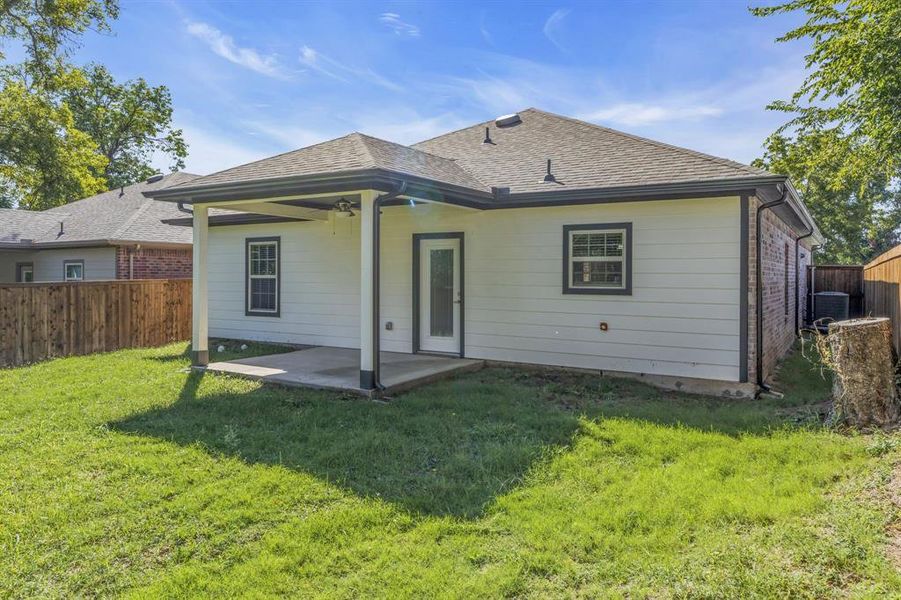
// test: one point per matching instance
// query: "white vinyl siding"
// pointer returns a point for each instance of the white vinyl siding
(320, 284)
(682, 317)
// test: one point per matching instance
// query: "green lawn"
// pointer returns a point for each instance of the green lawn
(121, 474)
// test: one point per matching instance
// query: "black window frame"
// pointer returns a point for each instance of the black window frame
(76, 261)
(626, 290)
(278, 276)
(19, 268)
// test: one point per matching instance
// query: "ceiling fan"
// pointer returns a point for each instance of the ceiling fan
(343, 208)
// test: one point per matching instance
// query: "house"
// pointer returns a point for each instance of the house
(533, 238)
(118, 234)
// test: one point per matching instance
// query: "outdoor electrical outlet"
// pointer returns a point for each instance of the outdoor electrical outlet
(603, 325)
(389, 325)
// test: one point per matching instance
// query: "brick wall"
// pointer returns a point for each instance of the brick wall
(780, 322)
(154, 263)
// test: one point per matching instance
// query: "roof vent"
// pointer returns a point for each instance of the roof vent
(155, 177)
(508, 120)
(487, 139)
(549, 177)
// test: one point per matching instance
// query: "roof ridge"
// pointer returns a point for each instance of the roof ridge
(267, 158)
(458, 130)
(28, 211)
(709, 157)
(408, 147)
(128, 222)
(359, 138)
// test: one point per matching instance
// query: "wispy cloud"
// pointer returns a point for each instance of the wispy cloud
(312, 59)
(483, 29)
(211, 151)
(224, 45)
(638, 114)
(399, 26)
(335, 69)
(287, 136)
(554, 25)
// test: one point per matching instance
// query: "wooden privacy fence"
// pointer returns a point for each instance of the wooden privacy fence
(44, 320)
(837, 278)
(882, 279)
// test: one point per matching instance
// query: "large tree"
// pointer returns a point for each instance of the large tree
(130, 123)
(44, 159)
(49, 29)
(842, 141)
(68, 132)
(858, 215)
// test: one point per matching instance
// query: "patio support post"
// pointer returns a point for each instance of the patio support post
(367, 283)
(199, 337)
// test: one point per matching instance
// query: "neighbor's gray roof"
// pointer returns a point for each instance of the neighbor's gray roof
(583, 156)
(120, 215)
(17, 225)
(353, 152)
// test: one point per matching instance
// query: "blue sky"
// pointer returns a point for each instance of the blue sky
(249, 80)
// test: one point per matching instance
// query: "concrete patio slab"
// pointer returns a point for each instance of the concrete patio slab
(339, 369)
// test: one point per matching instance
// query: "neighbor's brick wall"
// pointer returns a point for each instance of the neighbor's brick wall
(780, 323)
(154, 263)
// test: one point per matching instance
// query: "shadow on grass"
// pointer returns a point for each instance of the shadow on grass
(444, 449)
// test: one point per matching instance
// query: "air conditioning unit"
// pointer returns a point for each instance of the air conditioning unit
(830, 306)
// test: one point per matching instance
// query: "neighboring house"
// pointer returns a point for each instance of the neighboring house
(118, 234)
(534, 238)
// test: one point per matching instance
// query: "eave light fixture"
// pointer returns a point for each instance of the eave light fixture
(343, 209)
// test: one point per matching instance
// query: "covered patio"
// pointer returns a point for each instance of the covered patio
(338, 369)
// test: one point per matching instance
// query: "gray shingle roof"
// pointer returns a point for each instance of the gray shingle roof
(583, 155)
(17, 225)
(353, 152)
(121, 215)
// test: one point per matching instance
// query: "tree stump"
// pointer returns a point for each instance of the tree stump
(864, 390)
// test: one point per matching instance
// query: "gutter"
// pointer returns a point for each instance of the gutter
(759, 268)
(798, 276)
(376, 287)
(342, 181)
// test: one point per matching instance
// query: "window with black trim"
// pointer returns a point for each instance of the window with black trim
(263, 276)
(597, 258)
(73, 270)
(24, 272)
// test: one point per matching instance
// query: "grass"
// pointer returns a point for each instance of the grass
(124, 475)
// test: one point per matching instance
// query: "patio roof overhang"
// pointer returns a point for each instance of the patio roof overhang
(285, 189)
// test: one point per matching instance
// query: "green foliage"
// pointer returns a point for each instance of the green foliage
(854, 82)
(129, 122)
(859, 216)
(126, 476)
(65, 132)
(48, 29)
(44, 160)
(842, 145)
